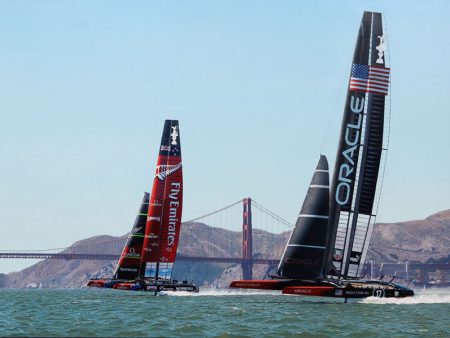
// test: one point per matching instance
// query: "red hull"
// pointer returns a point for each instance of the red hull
(126, 286)
(257, 284)
(271, 284)
(320, 291)
(100, 283)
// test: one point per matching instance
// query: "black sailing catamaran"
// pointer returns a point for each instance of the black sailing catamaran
(326, 252)
(147, 260)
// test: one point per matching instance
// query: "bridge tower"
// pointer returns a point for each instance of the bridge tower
(247, 262)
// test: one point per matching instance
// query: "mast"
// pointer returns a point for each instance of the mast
(360, 151)
(165, 208)
(130, 259)
(304, 253)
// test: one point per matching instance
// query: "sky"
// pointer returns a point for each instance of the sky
(258, 88)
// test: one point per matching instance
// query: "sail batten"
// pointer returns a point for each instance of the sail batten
(129, 261)
(304, 253)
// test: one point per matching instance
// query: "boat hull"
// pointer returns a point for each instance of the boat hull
(329, 288)
(135, 285)
(275, 284)
(102, 283)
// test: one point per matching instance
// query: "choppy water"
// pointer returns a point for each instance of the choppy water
(218, 313)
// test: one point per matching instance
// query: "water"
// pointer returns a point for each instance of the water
(218, 313)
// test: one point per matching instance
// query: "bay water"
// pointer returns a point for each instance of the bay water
(218, 313)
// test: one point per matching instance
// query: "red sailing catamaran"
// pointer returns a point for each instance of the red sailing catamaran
(147, 260)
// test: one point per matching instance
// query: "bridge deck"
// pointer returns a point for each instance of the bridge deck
(229, 260)
(47, 255)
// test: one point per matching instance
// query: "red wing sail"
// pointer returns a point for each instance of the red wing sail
(165, 207)
(130, 260)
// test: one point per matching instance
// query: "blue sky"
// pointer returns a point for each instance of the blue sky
(86, 86)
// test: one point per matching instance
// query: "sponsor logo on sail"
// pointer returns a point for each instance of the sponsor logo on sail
(164, 170)
(380, 48)
(136, 230)
(355, 257)
(174, 203)
(156, 203)
(174, 135)
(132, 253)
(351, 139)
(153, 218)
(165, 148)
(337, 255)
(128, 269)
(302, 261)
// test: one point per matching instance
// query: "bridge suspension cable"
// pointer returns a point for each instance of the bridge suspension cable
(271, 214)
(213, 212)
(97, 247)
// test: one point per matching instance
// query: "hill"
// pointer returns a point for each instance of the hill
(418, 240)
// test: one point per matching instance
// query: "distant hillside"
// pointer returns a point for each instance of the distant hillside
(60, 273)
(412, 240)
(417, 240)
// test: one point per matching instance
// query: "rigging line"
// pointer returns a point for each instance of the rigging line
(387, 123)
(334, 112)
(273, 215)
(213, 212)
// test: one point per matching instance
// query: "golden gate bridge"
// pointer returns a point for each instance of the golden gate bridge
(239, 233)
(243, 232)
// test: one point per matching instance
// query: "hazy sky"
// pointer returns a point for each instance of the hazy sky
(85, 87)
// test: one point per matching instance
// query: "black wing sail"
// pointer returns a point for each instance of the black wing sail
(360, 151)
(130, 259)
(304, 253)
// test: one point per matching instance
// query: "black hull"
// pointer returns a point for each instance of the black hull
(381, 289)
(350, 289)
(329, 288)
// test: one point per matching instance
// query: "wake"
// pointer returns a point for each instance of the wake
(430, 296)
(223, 292)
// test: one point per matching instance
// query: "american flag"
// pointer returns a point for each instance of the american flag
(370, 79)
